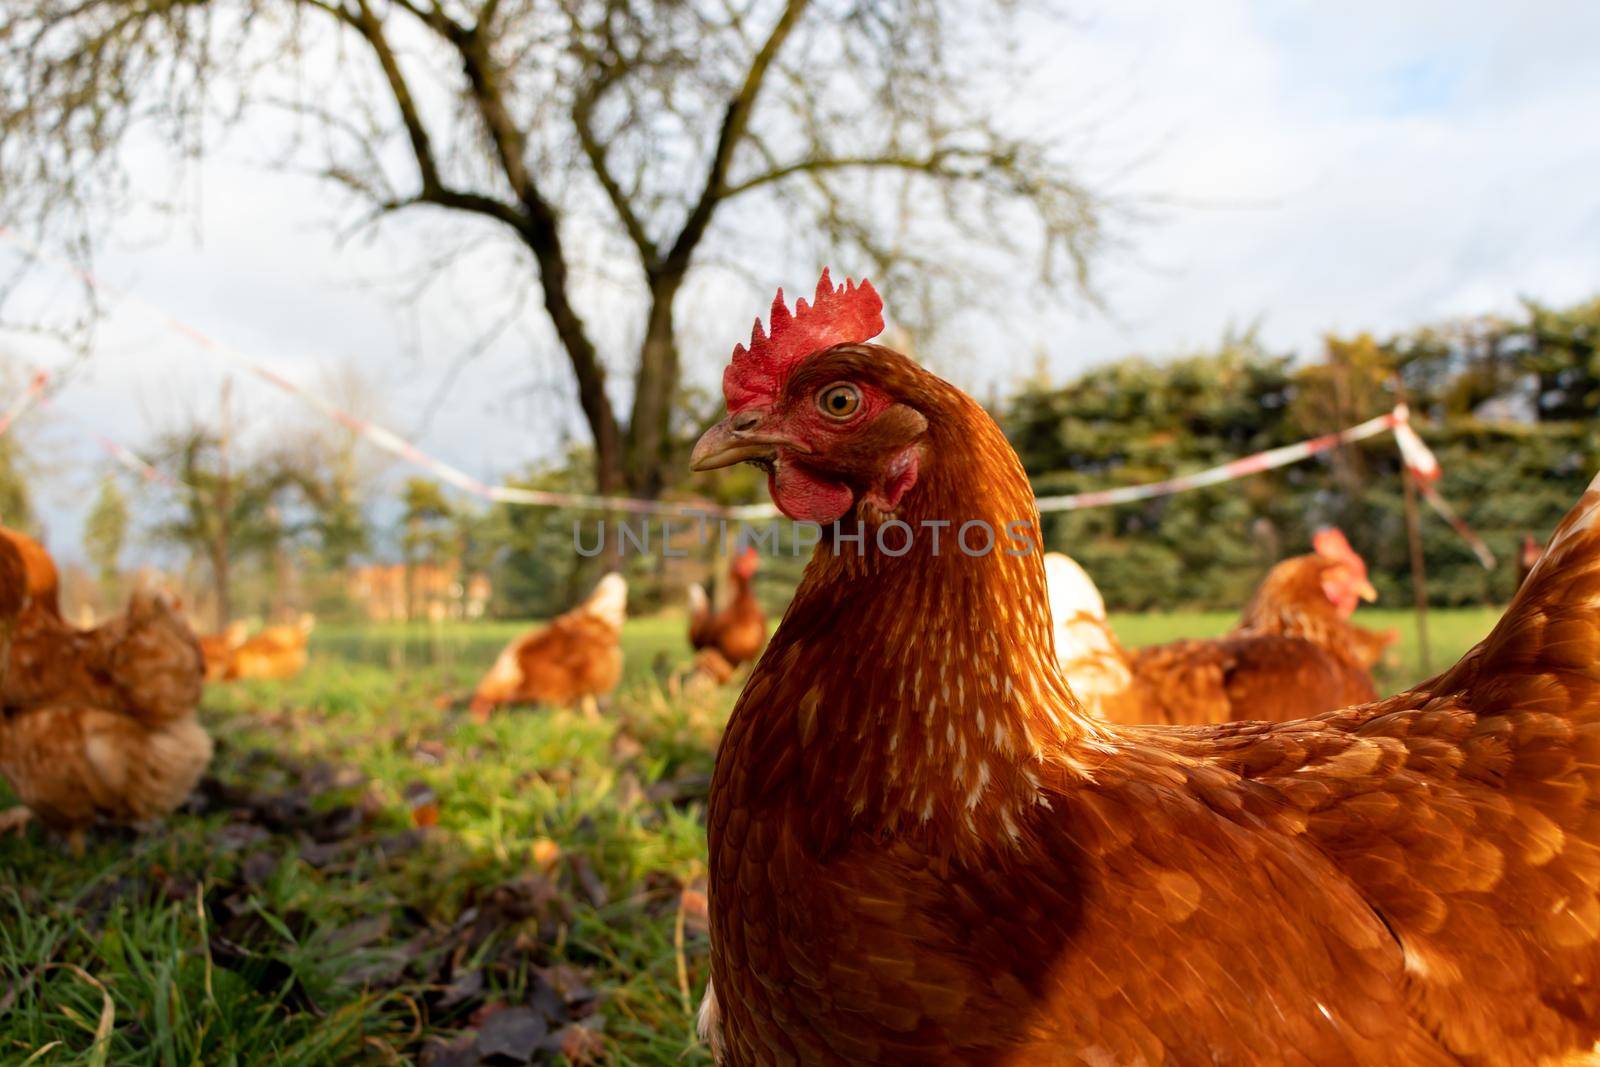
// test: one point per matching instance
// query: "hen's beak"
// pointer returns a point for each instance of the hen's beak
(1364, 590)
(738, 438)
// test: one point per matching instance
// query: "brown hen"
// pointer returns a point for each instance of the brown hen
(736, 633)
(576, 659)
(922, 851)
(277, 652)
(217, 649)
(97, 723)
(1294, 654)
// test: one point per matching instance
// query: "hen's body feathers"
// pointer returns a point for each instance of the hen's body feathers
(100, 724)
(145, 663)
(72, 764)
(43, 581)
(577, 657)
(1291, 656)
(922, 852)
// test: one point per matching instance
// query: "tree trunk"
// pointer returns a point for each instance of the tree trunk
(542, 238)
(219, 578)
(222, 544)
(649, 428)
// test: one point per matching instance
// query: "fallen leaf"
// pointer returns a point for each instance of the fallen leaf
(582, 1046)
(424, 804)
(467, 986)
(546, 854)
(696, 908)
(258, 867)
(511, 1036)
(335, 825)
(459, 1051)
(572, 986)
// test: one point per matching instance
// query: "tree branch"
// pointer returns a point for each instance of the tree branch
(474, 203)
(434, 191)
(735, 121)
(582, 115)
(486, 15)
(541, 232)
(536, 223)
(364, 22)
(934, 164)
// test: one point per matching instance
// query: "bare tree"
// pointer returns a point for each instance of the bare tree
(661, 135)
(230, 500)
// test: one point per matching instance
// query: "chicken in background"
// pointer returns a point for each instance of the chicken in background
(96, 724)
(145, 662)
(1093, 659)
(217, 649)
(574, 660)
(1294, 597)
(276, 653)
(1528, 557)
(922, 850)
(1294, 654)
(727, 639)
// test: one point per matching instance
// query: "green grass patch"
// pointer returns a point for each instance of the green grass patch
(294, 912)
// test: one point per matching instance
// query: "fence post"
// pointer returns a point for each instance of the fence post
(1419, 573)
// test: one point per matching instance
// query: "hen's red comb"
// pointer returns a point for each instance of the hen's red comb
(1331, 543)
(848, 314)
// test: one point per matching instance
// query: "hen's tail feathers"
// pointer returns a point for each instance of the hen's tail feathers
(1545, 652)
(609, 601)
(1071, 590)
(699, 603)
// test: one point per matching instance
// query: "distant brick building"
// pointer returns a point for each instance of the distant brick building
(396, 592)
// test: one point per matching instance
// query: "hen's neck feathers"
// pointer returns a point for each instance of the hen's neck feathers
(921, 689)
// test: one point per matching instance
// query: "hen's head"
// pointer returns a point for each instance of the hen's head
(1531, 551)
(1343, 573)
(831, 419)
(1329, 581)
(746, 564)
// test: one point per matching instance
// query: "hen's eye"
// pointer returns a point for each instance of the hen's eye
(839, 401)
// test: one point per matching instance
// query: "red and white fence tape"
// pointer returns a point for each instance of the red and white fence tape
(25, 400)
(1415, 454)
(1418, 460)
(129, 459)
(1271, 459)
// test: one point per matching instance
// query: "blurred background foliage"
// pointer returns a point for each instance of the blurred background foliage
(1507, 404)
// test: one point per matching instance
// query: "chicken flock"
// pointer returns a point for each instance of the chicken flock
(954, 821)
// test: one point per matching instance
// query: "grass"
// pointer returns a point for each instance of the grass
(371, 877)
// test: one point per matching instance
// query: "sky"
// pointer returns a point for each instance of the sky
(1303, 167)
